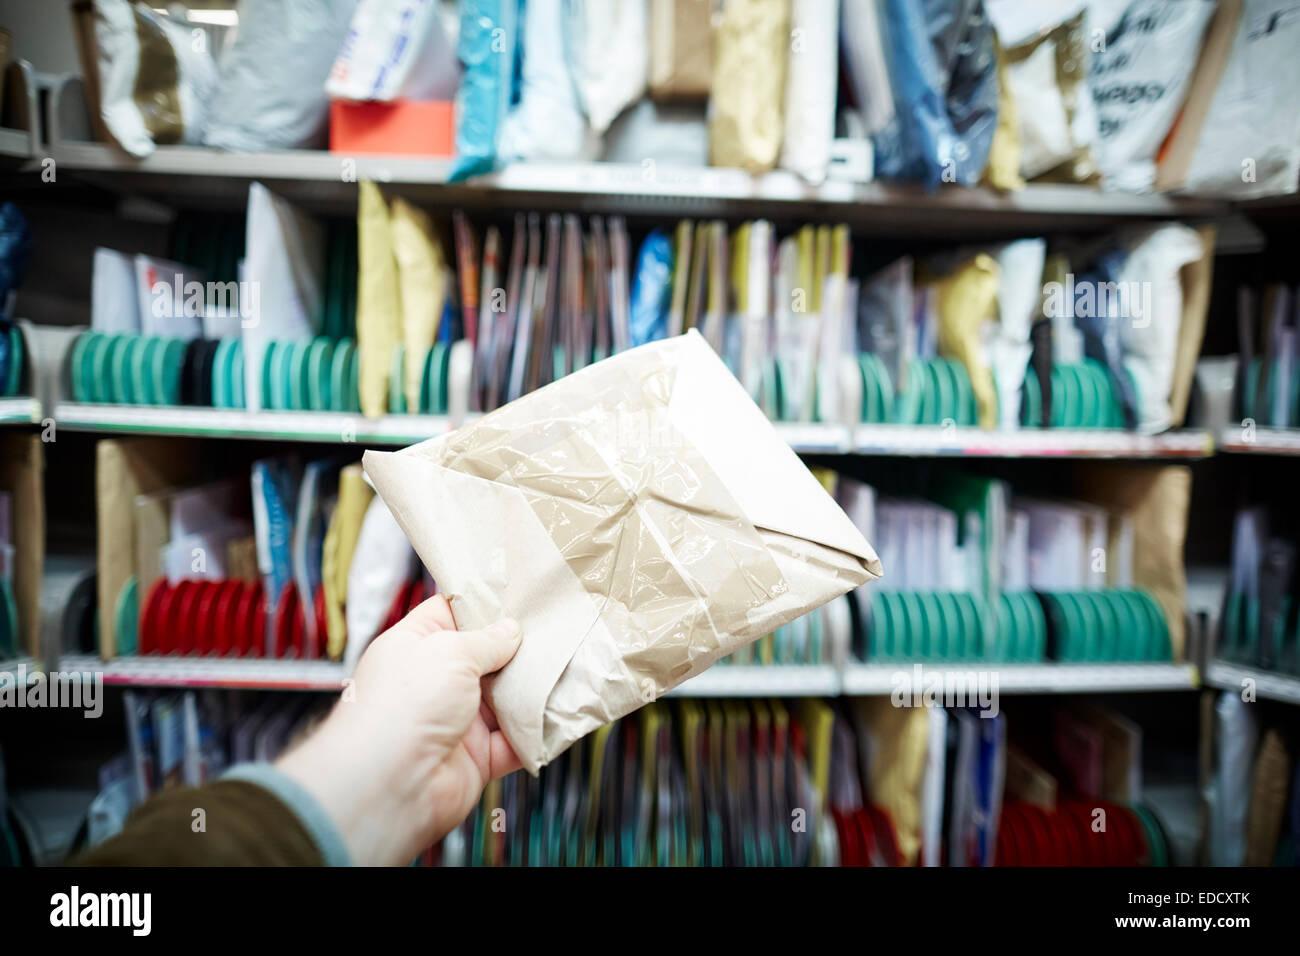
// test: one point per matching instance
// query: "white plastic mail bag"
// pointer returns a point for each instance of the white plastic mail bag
(640, 518)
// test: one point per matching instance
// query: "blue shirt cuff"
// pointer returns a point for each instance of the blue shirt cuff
(311, 814)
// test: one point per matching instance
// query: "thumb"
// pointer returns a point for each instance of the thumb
(491, 648)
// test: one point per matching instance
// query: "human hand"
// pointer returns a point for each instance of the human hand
(405, 754)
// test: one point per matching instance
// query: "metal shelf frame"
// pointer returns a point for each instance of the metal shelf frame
(327, 427)
(200, 176)
(725, 680)
(1260, 441)
(20, 410)
(1269, 685)
(810, 438)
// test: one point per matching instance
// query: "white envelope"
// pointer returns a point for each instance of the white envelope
(640, 518)
(284, 260)
(114, 302)
(170, 297)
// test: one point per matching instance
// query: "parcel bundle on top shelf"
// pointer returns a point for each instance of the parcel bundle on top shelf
(942, 92)
(1128, 94)
(979, 574)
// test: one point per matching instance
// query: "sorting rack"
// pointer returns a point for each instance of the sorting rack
(201, 177)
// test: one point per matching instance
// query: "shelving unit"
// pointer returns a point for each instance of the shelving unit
(204, 177)
(1268, 685)
(130, 523)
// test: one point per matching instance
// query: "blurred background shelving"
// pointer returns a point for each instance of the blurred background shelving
(1105, 648)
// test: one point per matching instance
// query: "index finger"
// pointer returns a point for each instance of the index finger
(432, 614)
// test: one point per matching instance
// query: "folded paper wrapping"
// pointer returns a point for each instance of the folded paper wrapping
(640, 518)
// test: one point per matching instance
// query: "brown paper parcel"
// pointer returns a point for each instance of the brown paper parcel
(640, 518)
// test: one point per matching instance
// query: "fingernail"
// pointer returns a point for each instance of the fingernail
(506, 627)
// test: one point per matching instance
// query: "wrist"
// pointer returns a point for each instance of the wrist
(363, 778)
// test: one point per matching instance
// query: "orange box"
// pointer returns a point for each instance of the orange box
(402, 127)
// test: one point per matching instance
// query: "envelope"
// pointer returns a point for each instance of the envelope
(640, 518)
